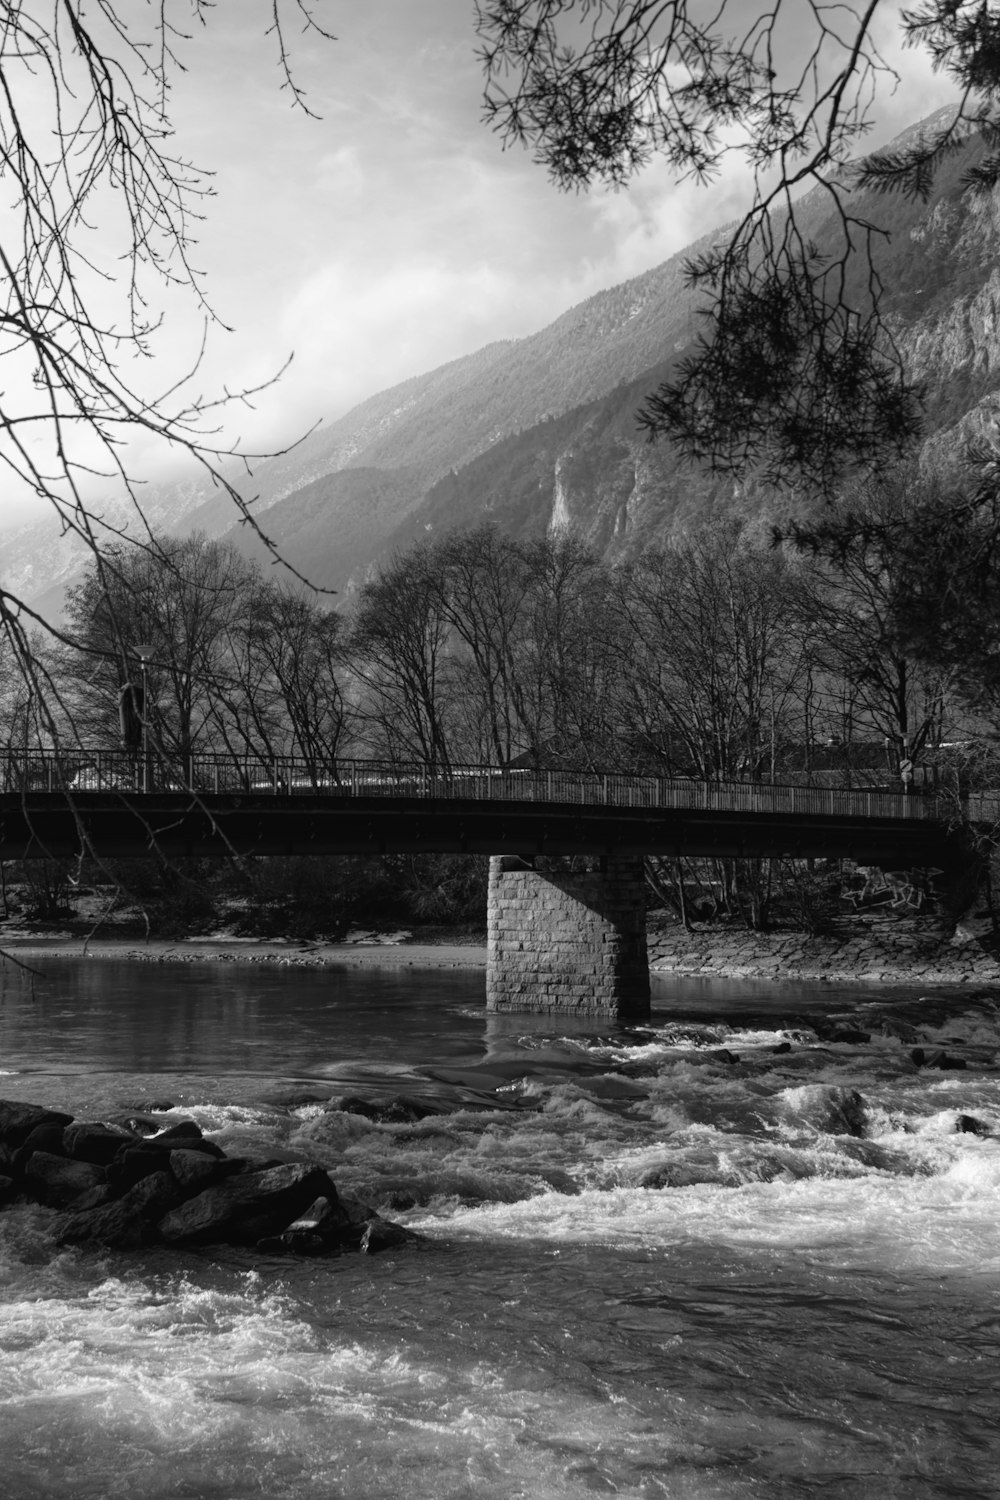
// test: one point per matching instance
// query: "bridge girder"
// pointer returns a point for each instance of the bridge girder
(122, 825)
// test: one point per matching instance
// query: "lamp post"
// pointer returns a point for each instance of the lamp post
(144, 651)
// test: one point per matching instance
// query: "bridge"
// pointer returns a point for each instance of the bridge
(561, 942)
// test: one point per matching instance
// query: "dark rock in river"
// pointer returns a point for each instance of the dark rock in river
(166, 1141)
(99, 1144)
(17, 1120)
(56, 1181)
(134, 1163)
(937, 1059)
(126, 1223)
(319, 1231)
(893, 1026)
(837, 1111)
(402, 1199)
(293, 1098)
(970, 1125)
(153, 1155)
(401, 1110)
(382, 1234)
(229, 1166)
(121, 1190)
(248, 1207)
(678, 1174)
(185, 1131)
(94, 1197)
(42, 1138)
(193, 1170)
(133, 1124)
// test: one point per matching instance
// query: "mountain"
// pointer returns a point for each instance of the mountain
(592, 471)
(427, 426)
(540, 432)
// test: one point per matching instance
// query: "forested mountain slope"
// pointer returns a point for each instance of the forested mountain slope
(592, 470)
(427, 426)
(540, 432)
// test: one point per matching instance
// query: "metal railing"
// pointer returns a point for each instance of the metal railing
(85, 771)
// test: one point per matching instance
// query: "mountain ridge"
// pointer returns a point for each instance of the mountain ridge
(539, 432)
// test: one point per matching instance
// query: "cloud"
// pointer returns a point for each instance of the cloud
(393, 234)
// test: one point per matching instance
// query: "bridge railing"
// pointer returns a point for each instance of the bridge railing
(85, 771)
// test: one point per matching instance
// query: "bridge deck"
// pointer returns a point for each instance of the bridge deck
(118, 806)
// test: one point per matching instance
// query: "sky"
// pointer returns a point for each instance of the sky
(392, 233)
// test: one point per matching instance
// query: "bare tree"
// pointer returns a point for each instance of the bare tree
(865, 553)
(484, 581)
(712, 659)
(797, 371)
(562, 658)
(85, 137)
(181, 601)
(290, 657)
(400, 655)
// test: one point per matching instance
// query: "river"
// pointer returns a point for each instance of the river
(665, 1262)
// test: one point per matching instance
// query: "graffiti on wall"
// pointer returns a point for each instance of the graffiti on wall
(899, 890)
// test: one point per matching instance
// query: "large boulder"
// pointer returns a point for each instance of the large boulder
(248, 1207)
(402, 1109)
(827, 1108)
(127, 1222)
(367, 1231)
(194, 1170)
(136, 1124)
(139, 1159)
(99, 1144)
(318, 1231)
(57, 1181)
(183, 1132)
(167, 1140)
(133, 1163)
(43, 1138)
(327, 1228)
(383, 1234)
(94, 1197)
(17, 1120)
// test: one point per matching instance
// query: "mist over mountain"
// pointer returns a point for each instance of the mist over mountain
(540, 432)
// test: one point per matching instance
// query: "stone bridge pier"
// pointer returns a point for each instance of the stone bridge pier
(571, 944)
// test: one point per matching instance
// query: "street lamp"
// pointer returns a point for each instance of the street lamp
(144, 651)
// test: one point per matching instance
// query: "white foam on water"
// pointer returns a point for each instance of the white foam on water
(161, 1388)
(463, 1157)
(949, 1221)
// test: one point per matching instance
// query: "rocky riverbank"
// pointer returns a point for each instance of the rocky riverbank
(877, 949)
(864, 949)
(403, 954)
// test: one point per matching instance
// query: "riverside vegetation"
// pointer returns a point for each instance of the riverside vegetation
(720, 658)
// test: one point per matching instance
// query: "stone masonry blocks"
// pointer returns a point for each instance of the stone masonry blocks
(574, 944)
